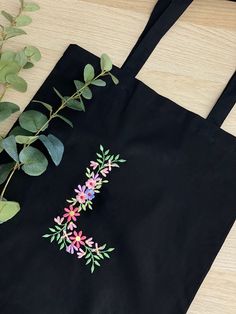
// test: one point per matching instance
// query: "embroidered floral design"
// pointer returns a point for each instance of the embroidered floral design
(67, 232)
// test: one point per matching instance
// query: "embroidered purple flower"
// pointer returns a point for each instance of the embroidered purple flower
(71, 213)
(81, 196)
(90, 194)
(93, 164)
(81, 253)
(104, 172)
(89, 242)
(59, 220)
(78, 238)
(71, 248)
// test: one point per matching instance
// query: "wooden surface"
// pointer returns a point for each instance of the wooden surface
(191, 65)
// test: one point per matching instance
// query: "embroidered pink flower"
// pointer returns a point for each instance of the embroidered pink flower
(66, 235)
(59, 220)
(71, 226)
(81, 253)
(91, 183)
(71, 213)
(81, 196)
(93, 164)
(78, 239)
(71, 248)
(110, 165)
(89, 242)
(104, 172)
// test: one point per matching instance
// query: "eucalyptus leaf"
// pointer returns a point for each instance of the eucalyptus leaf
(75, 104)
(7, 68)
(7, 16)
(22, 139)
(31, 7)
(114, 79)
(6, 109)
(87, 93)
(32, 53)
(46, 105)
(23, 20)
(89, 73)
(21, 58)
(58, 93)
(32, 120)
(78, 84)
(34, 162)
(28, 65)
(99, 83)
(105, 62)
(5, 169)
(65, 120)
(54, 146)
(17, 130)
(13, 32)
(8, 210)
(17, 82)
(8, 55)
(9, 145)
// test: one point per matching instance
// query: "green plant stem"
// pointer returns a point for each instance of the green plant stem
(62, 106)
(8, 180)
(5, 87)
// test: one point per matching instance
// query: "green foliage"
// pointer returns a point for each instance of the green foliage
(8, 210)
(32, 120)
(32, 123)
(7, 109)
(12, 62)
(34, 162)
(54, 146)
(5, 169)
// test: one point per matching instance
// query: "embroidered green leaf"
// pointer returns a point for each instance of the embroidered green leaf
(28, 65)
(23, 20)
(46, 236)
(32, 120)
(106, 63)
(13, 32)
(8, 210)
(9, 145)
(8, 55)
(7, 109)
(54, 146)
(5, 169)
(31, 7)
(34, 162)
(101, 148)
(7, 68)
(17, 82)
(88, 73)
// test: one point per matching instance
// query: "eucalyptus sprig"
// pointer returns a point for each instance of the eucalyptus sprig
(12, 62)
(32, 124)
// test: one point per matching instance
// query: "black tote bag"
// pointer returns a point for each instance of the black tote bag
(166, 210)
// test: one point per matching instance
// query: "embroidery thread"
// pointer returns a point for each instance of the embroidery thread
(66, 231)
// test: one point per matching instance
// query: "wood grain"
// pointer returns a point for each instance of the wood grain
(191, 66)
